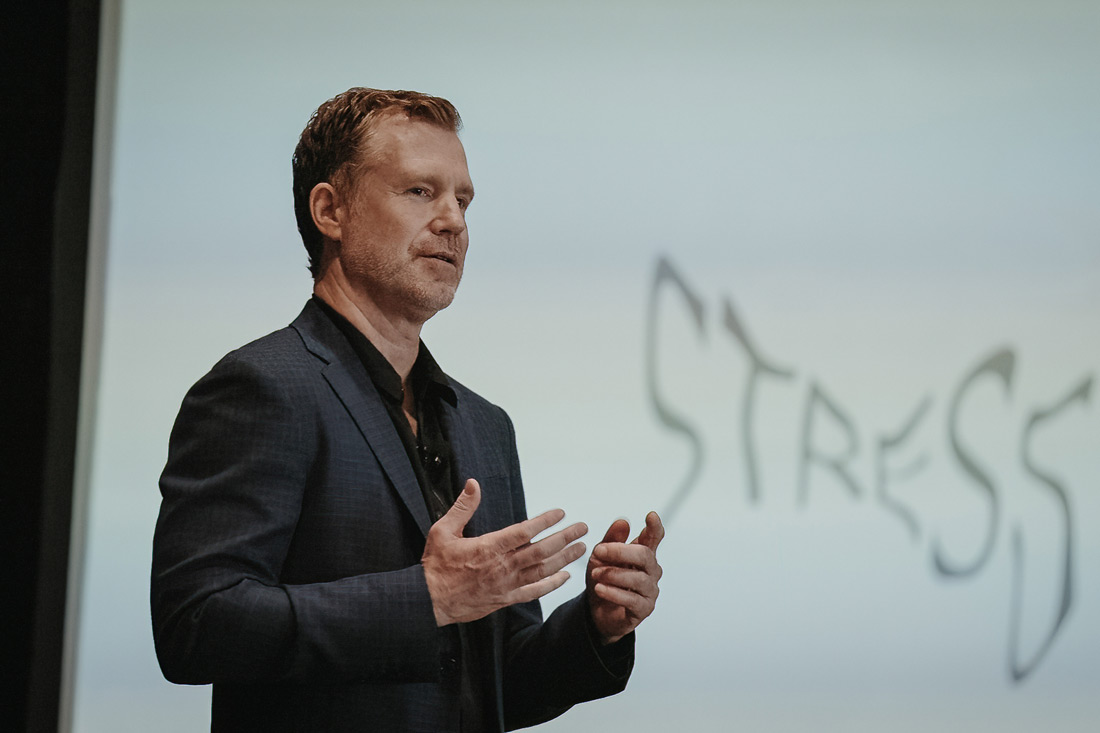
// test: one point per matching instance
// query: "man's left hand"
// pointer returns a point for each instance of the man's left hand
(621, 581)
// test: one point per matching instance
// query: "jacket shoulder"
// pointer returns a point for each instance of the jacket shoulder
(282, 347)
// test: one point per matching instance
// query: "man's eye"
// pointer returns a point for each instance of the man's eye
(417, 191)
(463, 203)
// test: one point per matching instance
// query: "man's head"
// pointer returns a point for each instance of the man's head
(336, 145)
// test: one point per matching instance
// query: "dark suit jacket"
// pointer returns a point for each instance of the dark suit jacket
(286, 560)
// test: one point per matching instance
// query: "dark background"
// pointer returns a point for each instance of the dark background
(49, 102)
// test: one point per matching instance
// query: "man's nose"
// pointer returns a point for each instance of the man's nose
(450, 217)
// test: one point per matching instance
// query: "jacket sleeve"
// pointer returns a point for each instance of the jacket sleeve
(240, 458)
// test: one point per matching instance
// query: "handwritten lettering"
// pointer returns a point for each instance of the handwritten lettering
(824, 416)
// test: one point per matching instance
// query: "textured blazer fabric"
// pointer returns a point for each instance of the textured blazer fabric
(286, 558)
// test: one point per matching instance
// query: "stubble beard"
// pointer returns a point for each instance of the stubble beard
(405, 287)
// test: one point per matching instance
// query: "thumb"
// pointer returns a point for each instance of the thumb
(454, 521)
(653, 532)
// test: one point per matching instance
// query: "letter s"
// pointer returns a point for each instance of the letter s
(670, 419)
(1000, 364)
(1019, 670)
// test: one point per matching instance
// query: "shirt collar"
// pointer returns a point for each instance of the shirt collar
(426, 377)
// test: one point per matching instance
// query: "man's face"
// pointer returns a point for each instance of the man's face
(403, 224)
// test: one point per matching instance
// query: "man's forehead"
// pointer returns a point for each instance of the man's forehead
(415, 145)
(398, 131)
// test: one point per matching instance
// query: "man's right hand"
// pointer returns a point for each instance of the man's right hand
(470, 577)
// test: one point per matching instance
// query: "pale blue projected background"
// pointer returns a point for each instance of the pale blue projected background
(884, 195)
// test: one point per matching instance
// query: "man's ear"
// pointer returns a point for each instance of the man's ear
(324, 205)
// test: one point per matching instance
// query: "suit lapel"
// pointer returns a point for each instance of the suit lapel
(353, 387)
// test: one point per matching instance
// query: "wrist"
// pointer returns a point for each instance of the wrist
(598, 637)
(435, 593)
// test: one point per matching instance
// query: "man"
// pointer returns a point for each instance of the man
(343, 543)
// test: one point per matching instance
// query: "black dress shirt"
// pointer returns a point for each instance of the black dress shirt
(429, 450)
(432, 460)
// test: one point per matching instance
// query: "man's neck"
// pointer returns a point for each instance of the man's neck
(396, 339)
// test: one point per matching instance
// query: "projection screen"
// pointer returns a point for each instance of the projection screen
(819, 282)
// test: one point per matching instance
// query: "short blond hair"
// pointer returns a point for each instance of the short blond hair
(337, 139)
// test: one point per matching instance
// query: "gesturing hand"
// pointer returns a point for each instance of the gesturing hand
(621, 582)
(470, 577)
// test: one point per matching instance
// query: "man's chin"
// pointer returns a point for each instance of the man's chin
(434, 299)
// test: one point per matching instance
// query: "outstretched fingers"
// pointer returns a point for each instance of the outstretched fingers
(550, 554)
(535, 561)
(520, 534)
(470, 577)
(534, 591)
